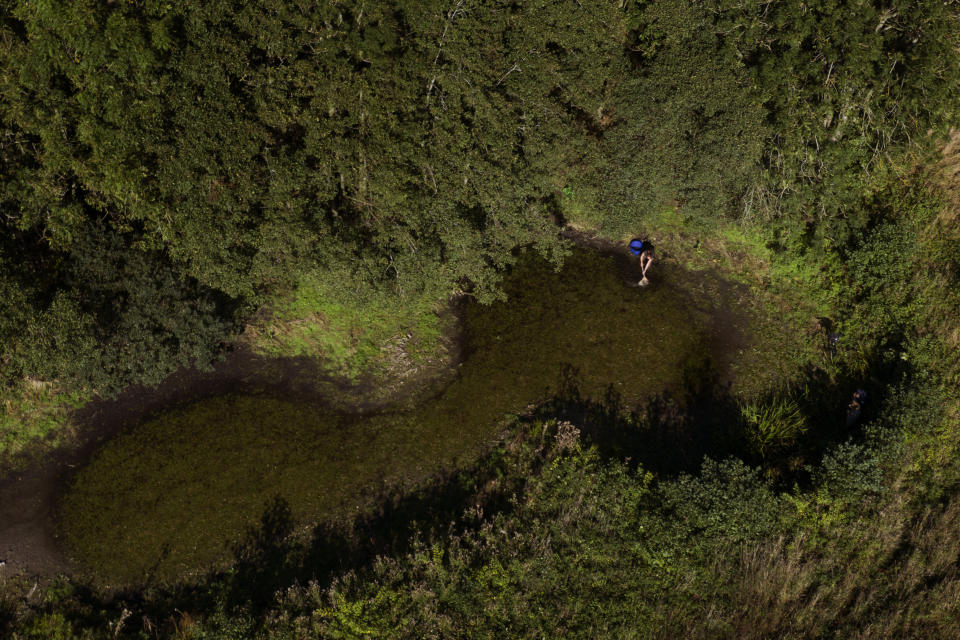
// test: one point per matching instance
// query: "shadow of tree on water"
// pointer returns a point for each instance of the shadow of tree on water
(667, 433)
(671, 433)
(265, 557)
(270, 557)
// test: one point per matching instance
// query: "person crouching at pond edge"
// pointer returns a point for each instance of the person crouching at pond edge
(644, 249)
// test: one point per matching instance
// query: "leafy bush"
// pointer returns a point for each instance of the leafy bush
(851, 472)
(726, 503)
(115, 315)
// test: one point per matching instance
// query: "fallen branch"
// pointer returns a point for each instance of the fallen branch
(453, 13)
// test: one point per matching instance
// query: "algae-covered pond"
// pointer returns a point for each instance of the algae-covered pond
(169, 497)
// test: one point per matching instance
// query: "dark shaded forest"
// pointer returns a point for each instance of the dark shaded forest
(169, 169)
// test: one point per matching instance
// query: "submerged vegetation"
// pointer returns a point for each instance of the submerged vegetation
(325, 174)
(169, 497)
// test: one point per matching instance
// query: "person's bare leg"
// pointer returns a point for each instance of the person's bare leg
(645, 261)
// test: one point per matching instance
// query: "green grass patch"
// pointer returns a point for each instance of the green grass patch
(349, 324)
(36, 412)
(773, 425)
(576, 204)
(784, 298)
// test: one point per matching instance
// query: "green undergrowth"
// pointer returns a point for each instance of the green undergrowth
(772, 425)
(594, 546)
(352, 327)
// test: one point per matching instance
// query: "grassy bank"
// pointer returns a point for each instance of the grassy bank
(35, 417)
(352, 327)
(356, 335)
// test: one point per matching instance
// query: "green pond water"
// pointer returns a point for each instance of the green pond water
(168, 498)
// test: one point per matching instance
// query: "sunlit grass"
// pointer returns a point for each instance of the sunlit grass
(36, 412)
(349, 325)
(772, 425)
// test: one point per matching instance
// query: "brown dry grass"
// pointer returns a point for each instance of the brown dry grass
(947, 223)
(897, 576)
(948, 179)
(950, 165)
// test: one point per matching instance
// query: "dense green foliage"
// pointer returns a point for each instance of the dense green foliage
(226, 148)
(165, 168)
(115, 315)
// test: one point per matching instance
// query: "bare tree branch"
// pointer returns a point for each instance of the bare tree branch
(451, 15)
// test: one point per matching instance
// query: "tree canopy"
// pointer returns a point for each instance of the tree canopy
(164, 167)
